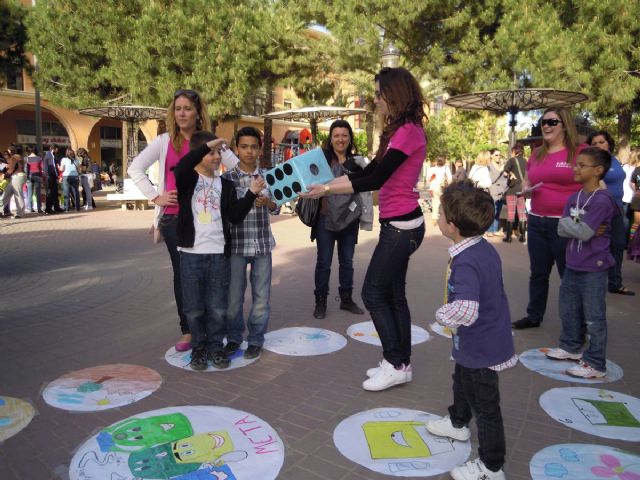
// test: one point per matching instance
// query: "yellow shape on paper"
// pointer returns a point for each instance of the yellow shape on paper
(388, 440)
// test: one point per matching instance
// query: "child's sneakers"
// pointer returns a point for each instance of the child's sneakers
(388, 376)
(372, 371)
(198, 360)
(444, 428)
(219, 359)
(476, 470)
(583, 370)
(560, 354)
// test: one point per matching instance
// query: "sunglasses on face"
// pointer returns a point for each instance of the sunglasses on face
(190, 94)
(552, 122)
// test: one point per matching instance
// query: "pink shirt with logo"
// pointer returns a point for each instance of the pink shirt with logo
(173, 158)
(397, 196)
(556, 174)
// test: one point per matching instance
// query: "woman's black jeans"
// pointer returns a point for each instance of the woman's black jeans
(383, 291)
(168, 226)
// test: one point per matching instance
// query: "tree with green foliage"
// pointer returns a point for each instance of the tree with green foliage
(13, 37)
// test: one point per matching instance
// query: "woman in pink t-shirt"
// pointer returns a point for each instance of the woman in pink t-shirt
(186, 114)
(550, 174)
(394, 171)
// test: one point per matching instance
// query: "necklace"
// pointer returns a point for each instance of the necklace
(579, 211)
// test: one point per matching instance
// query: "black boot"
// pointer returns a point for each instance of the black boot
(522, 229)
(508, 231)
(347, 303)
(321, 306)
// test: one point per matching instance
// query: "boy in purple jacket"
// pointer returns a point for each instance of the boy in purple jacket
(476, 310)
(588, 258)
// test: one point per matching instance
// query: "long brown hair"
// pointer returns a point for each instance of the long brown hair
(203, 121)
(570, 136)
(403, 96)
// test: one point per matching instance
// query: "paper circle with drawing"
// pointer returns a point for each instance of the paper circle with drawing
(578, 461)
(101, 388)
(15, 414)
(395, 441)
(303, 341)
(440, 330)
(182, 443)
(182, 360)
(537, 361)
(366, 332)
(594, 411)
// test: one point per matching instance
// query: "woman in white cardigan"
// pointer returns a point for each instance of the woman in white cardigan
(186, 114)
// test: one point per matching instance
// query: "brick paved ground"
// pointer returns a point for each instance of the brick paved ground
(89, 288)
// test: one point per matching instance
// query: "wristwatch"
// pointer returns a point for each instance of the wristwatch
(327, 189)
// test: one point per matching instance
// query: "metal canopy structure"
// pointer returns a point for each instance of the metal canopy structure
(132, 114)
(516, 100)
(315, 114)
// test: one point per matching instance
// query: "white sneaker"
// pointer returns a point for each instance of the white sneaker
(372, 371)
(560, 354)
(444, 428)
(387, 376)
(476, 470)
(585, 371)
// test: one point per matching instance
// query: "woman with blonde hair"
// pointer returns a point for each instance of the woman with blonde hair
(550, 183)
(187, 113)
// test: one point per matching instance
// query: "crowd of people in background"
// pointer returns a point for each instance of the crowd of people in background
(60, 180)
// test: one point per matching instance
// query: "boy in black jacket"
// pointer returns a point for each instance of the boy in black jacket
(208, 206)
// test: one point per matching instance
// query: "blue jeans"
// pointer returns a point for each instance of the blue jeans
(168, 226)
(476, 390)
(325, 242)
(495, 226)
(383, 291)
(618, 245)
(205, 288)
(583, 307)
(70, 184)
(260, 278)
(34, 185)
(545, 248)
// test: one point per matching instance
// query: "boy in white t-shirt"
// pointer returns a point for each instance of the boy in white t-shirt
(208, 207)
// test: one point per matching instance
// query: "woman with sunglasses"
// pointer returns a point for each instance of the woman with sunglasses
(187, 113)
(394, 171)
(550, 183)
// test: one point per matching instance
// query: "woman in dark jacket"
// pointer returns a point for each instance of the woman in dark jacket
(337, 222)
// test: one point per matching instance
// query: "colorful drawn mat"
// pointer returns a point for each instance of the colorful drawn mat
(182, 443)
(394, 441)
(303, 341)
(594, 411)
(577, 461)
(15, 414)
(182, 359)
(537, 361)
(101, 388)
(366, 332)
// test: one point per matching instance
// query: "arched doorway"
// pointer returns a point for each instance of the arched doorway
(18, 126)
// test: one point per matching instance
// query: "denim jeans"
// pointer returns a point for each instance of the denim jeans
(260, 278)
(618, 245)
(476, 390)
(583, 306)
(545, 248)
(205, 288)
(169, 228)
(383, 291)
(34, 185)
(495, 226)
(70, 185)
(325, 242)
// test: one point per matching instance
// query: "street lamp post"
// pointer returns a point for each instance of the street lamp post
(390, 56)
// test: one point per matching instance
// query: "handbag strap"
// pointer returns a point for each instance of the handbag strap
(518, 167)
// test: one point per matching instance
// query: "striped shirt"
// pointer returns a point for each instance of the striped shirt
(253, 236)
